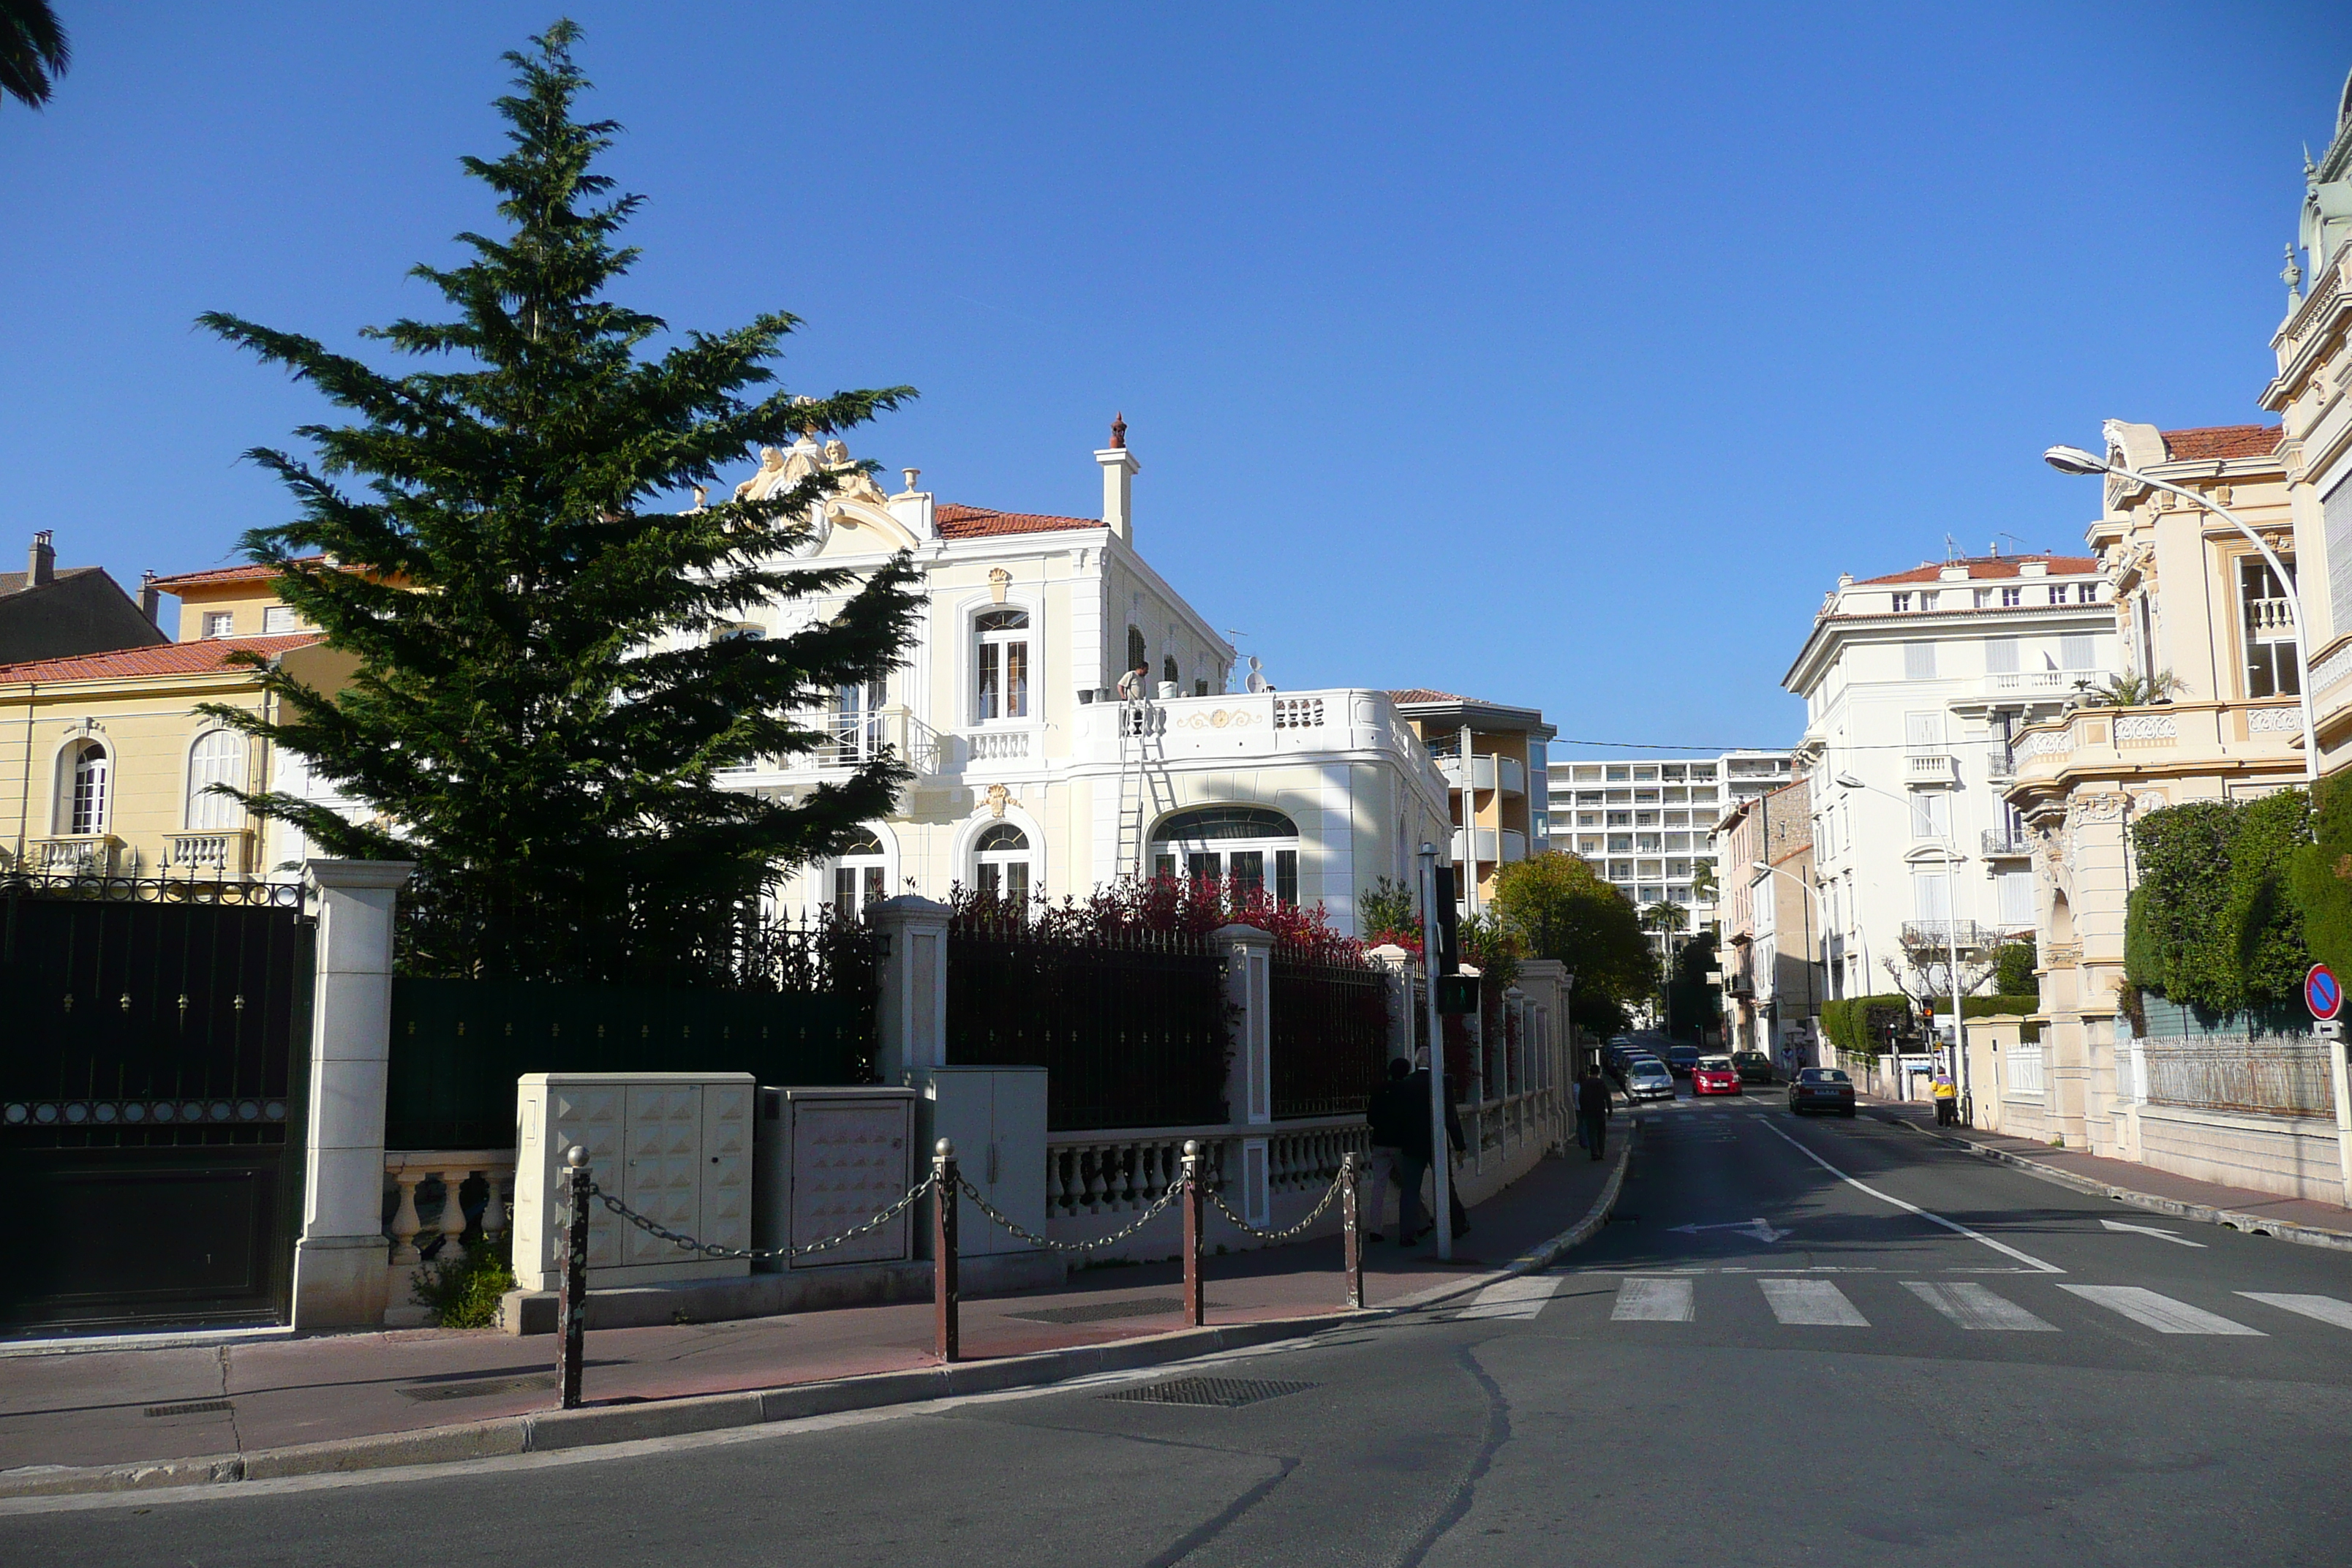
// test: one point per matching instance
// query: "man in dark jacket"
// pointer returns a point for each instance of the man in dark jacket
(1390, 1114)
(1592, 1110)
(1413, 1158)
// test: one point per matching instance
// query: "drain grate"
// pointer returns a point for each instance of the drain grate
(1222, 1392)
(479, 1387)
(1102, 1311)
(189, 1407)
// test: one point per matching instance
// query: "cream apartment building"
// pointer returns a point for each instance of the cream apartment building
(1915, 685)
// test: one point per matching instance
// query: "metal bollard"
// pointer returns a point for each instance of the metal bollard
(572, 1292)
(1351, 1231)
(1195, 1312)
(946, 1198)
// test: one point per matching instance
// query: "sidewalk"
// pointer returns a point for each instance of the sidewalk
(142, 1406)
(2144, 1186)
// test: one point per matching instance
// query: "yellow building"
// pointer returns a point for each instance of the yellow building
(1506, 777)
(108, 766)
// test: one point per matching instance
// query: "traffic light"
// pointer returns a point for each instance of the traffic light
(1457, 993)
(1449, 931)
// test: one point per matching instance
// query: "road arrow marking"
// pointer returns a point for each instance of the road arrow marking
(1761, 1229)
(2151, 1230)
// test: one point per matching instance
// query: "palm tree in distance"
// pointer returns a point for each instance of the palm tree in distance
(33, 50)
(1666, 918)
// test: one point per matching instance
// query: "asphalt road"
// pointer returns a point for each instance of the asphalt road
(1759, 1361)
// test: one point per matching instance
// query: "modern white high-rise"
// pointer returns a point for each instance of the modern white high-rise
(1913, 685)
(1644, 823)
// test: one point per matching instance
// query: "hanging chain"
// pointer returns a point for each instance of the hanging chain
(1218, 1198)
(1175, 1188)
(757, 1253)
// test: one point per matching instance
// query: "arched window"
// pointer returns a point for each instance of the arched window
(85, 776)
(1001, 863)
(1236, 843)
(216, 757)
(1002, 658)
(859, 872)
(1168, 669)
(1137, 658)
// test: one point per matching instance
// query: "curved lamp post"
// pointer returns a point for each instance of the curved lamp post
(1815, 893)
(1951, 859)
(2074, 460)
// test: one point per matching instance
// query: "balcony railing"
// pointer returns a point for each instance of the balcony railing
(1966, 935)
(2271, 620)
(1928, 767)
(2005, 841)
(854, 738)
(228, 852)
(77, 855)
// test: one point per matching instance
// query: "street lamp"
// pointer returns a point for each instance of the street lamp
(2074, 460)
(1951, 857)
(1811, 1005)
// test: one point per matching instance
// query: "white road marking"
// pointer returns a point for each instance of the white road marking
(1652, 1302)
(2162, 1313)
(1523, 1296)
(2000, 1246)
(1974, 1307)
(1761, 1229)
(1812, 1302)
(2151, 1230)
(2327, 1308)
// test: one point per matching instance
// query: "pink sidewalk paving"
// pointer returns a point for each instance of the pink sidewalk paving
(113, 1407)
(2132, 1176)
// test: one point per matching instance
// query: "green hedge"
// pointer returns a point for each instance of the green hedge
(2214, 922)
(2321, 877)
(1854, 1024)
(1995, 1006)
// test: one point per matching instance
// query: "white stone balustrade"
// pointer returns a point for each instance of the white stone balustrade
(405, 1170)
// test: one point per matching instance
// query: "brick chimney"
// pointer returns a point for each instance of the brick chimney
(1120, 468)
(41, 565)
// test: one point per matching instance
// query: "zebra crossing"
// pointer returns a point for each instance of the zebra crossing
(1796, 1301)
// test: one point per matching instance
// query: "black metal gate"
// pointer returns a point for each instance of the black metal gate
(153, 1057)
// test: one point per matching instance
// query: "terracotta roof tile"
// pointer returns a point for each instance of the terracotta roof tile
(164, 658)
(1989, 566)
(260, 572)
(1423, 694)
(2222, 441)
(955, 521)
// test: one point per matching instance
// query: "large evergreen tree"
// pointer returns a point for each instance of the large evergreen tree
(539, 706)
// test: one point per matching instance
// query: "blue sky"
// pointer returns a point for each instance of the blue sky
(1561, 354)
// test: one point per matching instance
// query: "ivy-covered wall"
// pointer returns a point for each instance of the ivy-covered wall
(2321, 877)
(2216, 919)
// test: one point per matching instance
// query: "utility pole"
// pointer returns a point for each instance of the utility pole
(1441, 1147)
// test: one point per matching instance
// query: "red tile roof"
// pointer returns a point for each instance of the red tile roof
(979, 522)
(1423, 694)
(2222, 441)
(1986, 566)
(204, 657)
(253, 574)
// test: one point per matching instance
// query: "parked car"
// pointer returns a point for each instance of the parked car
(1648, 1077)
(1821, 1088)
(1715, 1075)
(1681, 1060)
(1754, 1067)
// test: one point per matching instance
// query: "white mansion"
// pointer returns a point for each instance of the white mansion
(1033, 774)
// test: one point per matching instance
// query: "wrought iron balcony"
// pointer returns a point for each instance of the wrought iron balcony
(1966, 935)
(2005, 841)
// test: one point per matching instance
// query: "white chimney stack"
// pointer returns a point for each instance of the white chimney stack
(1120, 468)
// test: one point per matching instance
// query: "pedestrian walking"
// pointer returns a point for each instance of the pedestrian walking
(1415, 1155)
(1392, 1114)
(1947, 1098)
(1592, 1112)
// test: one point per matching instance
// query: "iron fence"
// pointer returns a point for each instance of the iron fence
(1130, 1028)
(1329, 1038)
(805, 1015)
(2265, 1076)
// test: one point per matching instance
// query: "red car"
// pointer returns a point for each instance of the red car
(1715, 1075)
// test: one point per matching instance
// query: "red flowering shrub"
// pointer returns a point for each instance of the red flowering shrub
(1164, 906)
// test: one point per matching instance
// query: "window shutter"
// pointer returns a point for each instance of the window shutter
(1918, 661)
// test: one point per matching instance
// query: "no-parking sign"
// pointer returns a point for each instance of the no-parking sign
(2323, 992)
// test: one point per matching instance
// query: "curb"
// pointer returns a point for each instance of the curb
(2205, 1214)
(550, 1431)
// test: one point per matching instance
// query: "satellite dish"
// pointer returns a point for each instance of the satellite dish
(1256, 681)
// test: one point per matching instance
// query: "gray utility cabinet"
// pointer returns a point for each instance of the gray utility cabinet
(996, 1118)
(827, 1160)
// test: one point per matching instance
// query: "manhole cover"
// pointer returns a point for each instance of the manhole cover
(1099, 1312)
(480, 1387)
(1222, 1393)
(190, 1407)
